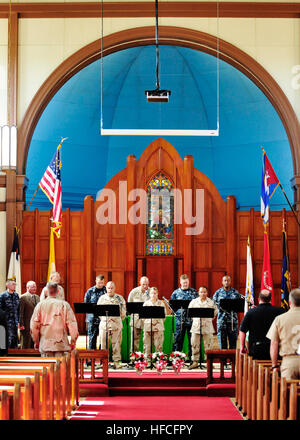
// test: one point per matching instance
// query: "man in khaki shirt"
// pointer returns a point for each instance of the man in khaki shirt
(285, 337)
(49, 324)
(54, 278)
(157, 325)
(114, 323)
(207, 328)
(138, 294)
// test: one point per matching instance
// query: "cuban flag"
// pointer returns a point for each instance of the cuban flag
(269, 184)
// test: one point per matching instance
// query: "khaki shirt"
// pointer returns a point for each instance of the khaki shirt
(51, 321)
(136, 295)
(286, 330)
(157, 324)
(206, 323)
(113, 322)
(60, 295)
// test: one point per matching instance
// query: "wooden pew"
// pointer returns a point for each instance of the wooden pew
(72, 385)
(46, 378)
(31, 395)
(288, 405)
(4, 405)
(65, 383)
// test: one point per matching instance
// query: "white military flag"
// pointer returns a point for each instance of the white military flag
(249, 291)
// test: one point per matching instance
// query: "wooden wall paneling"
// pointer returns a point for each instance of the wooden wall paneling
(68, 257)
(89, 219)
(130, 229)
(188, 184)
(231, 234)
(36, 248)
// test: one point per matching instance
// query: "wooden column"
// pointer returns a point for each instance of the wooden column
(130, 275)
(12, 67)
(295, 182)
(12, 80)
(231, 237)
(188, 184)
(88, 221)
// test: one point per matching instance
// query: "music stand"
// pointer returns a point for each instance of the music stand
(152, 312)
(107, 310)
(86, 308)
(201, 312)
(181, 304)
(132, 308)
(236, 305)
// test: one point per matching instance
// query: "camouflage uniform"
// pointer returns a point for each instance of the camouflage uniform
(92, 296)
(10, 304)
(157, 329)
(227, 322)
(114, 325)
(137, 295)
(187, 294)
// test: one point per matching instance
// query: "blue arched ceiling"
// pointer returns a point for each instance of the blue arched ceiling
(233, 161)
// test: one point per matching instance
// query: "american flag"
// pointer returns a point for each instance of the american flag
(50, 184)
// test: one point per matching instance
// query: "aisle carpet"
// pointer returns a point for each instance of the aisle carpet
(156, 408)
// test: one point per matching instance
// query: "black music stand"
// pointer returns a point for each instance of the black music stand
(152, 312)
(107, 310)
(181, 304)
(201, 312)
(86, 308)
(232, 306)
(132, 308)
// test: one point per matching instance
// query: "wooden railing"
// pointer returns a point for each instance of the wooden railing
(222, 357)
(93, 356)
(261, 394)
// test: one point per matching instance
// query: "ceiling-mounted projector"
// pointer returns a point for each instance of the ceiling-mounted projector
(157, 95)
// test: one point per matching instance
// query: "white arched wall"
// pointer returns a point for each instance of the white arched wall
(45, 43)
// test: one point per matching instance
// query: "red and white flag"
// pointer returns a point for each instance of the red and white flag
(266, 277)
(50, 184)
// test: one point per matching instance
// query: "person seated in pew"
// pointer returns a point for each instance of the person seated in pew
(285, 338)
(28, 301)
(50, 322)
(157, 325)
(207, 329)
(114, 324)
(257, 322)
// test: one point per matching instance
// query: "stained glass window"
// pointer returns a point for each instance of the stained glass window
(160, 226)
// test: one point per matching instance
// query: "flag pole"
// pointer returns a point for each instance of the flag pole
(19, 228)
(289, 203)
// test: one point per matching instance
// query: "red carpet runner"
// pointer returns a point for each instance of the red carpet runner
(156, 408)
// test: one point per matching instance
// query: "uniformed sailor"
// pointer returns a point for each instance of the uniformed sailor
(92, 296)
(10, 304)
(138, 294)
(157, 325)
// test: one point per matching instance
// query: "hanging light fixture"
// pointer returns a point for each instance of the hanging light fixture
(157, 95)
(8, 148)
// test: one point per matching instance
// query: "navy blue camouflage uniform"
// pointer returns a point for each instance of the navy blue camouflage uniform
(92, 296)
(227, 322)
(10, 304)
(187, 294)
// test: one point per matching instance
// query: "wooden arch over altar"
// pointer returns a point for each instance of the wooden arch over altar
(118, 250)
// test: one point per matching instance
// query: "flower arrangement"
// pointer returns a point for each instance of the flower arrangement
(177, 358)
(160, 361)
(139, 361)
(137, 356)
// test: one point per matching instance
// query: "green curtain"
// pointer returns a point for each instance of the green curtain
(168, 339)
